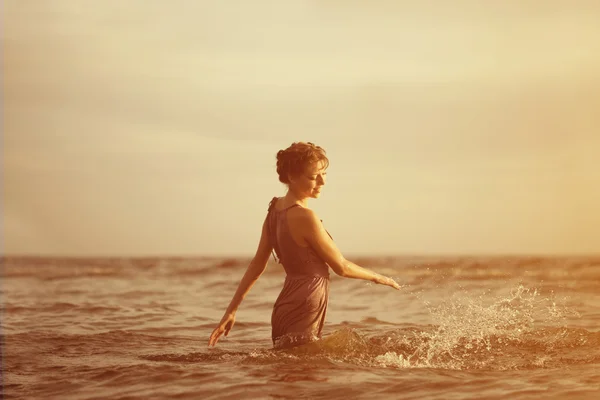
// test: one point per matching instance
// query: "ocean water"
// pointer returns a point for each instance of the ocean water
(460, 328)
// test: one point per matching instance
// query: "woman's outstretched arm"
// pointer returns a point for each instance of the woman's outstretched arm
(318, 238)
(255, 269)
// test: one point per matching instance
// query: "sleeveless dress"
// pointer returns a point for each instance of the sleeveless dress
(299, 311)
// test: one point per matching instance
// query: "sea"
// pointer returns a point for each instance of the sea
(469, 327)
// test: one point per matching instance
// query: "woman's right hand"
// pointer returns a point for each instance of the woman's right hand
(224, 327)
(384, 280)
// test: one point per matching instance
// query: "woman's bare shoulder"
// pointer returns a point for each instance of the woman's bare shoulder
(303, 216)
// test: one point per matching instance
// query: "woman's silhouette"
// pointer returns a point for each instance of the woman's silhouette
(305, 250)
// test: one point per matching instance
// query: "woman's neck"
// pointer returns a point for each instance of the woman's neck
(292, 198)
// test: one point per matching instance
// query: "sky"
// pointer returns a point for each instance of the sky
(150, 128)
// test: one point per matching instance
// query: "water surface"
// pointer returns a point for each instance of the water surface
(461, 327)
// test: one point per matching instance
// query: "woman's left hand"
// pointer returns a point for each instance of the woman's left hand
(224, 327)
(384, 280)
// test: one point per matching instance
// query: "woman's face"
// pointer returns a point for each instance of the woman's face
(309, 183)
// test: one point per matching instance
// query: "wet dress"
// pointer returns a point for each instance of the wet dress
(299, 311)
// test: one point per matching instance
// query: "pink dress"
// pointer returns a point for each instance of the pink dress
(299, 311)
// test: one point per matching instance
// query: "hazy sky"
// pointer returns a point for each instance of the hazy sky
(151, 127)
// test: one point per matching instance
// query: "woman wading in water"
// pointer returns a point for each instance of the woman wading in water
(303, 247)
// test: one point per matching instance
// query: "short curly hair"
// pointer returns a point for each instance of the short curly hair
(294, 160)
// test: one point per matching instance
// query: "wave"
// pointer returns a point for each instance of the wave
(420, 348)
(61, 307)
(421, 270)
(522, 330)
(519, 330)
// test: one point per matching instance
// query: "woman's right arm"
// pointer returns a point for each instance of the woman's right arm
(318, 238)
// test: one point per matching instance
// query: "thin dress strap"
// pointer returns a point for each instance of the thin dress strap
(272, 203)
(272, 238)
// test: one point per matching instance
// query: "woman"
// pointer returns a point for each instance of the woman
(304, 248)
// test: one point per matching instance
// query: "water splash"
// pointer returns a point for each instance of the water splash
(522, 329)
(481, 332)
